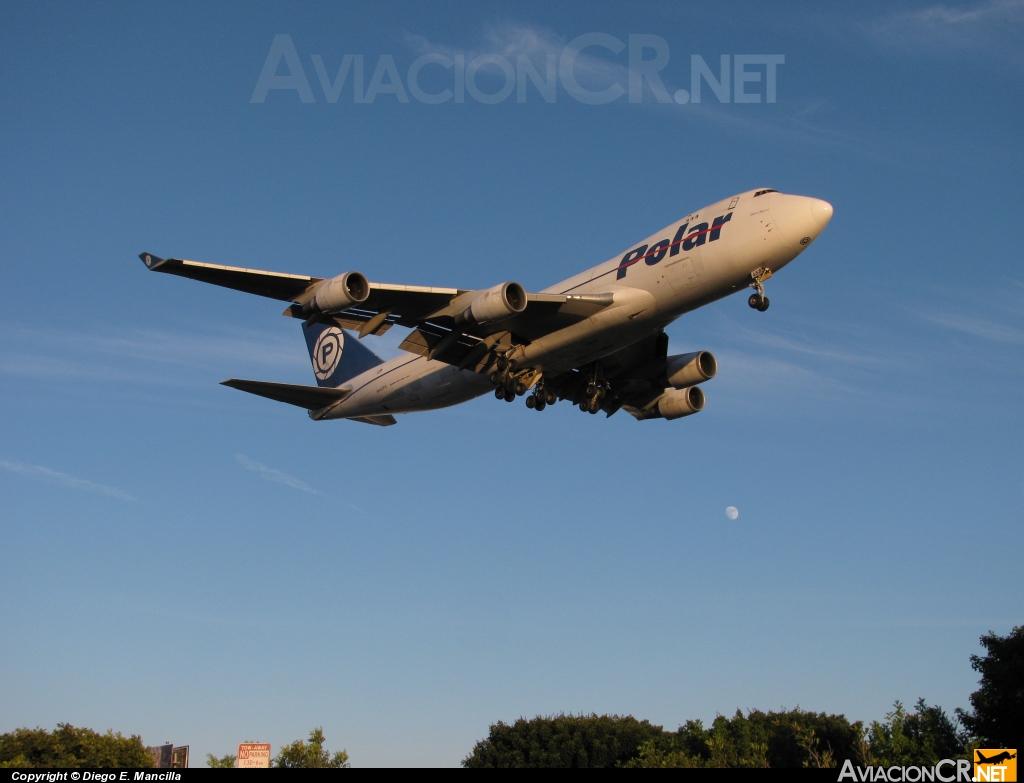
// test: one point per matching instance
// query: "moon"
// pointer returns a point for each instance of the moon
(732, 512)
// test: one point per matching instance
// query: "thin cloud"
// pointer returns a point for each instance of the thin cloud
(144, 356)
(536, 43)
(277, 476)
(511, 40)
(63, 479)
(943, 16)
(992, 27)
(976, 327)
(159, 346)
(817, 349)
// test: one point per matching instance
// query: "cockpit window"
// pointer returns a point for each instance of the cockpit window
(762, 192)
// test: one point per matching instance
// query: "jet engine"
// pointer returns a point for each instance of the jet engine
(676, 403)
(494, 304)
(340, 293)
(690, 368)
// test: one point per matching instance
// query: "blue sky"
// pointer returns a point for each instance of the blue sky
(200, 566)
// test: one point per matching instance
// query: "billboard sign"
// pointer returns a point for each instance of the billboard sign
(179, 757)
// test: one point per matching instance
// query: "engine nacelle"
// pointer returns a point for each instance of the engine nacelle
(690, 368)
(340, 293)
(676, 403)
(494, 304)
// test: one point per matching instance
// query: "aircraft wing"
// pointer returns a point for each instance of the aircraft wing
(429, 311)
(276, 285)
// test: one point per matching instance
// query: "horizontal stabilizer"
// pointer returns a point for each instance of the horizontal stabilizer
(308, 397)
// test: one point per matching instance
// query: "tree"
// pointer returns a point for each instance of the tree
(998, 715)
(793, 738)
(311, 755)
(567, 741)
(68, 746)
(224, 762)
(921, 738)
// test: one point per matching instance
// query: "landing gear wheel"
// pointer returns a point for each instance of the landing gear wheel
(512, 365)
(509, 396)
(499, 393)
(755, 301)
(549, 397)
(764, 304)
(531, 402)
(495, 377)
(594, 406)
(540, 404)
(520, 388)
(585, 406)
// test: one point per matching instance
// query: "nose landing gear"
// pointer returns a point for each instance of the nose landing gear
(758, 300)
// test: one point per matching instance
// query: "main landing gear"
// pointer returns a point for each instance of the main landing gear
(596, 391)
(758, 300)
(504, 377)
(513, 381)
(541, 398)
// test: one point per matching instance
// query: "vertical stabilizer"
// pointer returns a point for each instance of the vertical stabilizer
(336, 355)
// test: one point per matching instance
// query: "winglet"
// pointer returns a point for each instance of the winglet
(151, 261)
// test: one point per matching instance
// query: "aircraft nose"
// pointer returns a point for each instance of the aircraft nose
(821, 211)
(800, 218)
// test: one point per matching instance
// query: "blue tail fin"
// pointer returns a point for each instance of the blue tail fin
(336, 355)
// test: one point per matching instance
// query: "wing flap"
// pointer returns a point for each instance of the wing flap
(434, 342)
(350, 319)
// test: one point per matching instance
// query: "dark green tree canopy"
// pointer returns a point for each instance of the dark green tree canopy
(793, 738)
(310, 755)
(568, 741)
(786, 739)
(998, 715)
(67, 746)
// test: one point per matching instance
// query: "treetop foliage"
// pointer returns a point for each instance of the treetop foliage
(919, 738)
(224, 762)
(67, 746)
(998, 715)
(794, 738)
(569, 741)
(310, 755)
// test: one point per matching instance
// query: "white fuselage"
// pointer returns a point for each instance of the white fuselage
(653, 283)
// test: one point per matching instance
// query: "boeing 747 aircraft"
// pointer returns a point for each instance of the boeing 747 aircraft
(596, 339)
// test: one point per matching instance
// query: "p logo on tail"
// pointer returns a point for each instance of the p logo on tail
(336, 358)
(327, 352)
